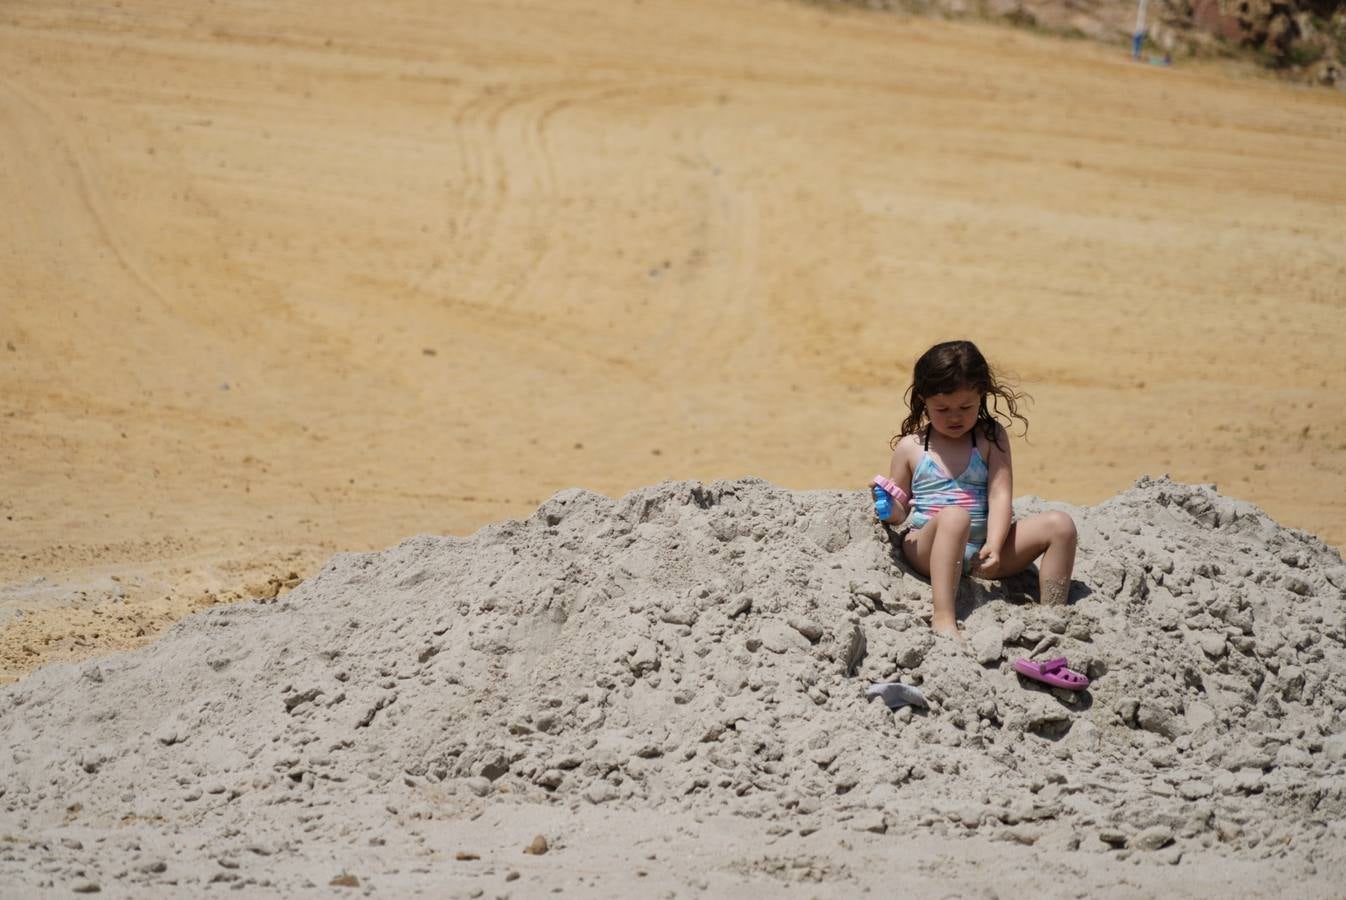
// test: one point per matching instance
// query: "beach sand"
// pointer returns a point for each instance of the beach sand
(294, 280)
(284, 283)
(665, 695)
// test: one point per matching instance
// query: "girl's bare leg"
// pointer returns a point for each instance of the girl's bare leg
(1050, 535)
(936, 550)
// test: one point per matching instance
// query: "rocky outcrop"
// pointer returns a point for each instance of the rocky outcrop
(1305, 39)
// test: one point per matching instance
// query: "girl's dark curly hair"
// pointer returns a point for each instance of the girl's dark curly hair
(952, 366)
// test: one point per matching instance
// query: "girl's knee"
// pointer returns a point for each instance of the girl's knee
(954, 518)
(1061, 526)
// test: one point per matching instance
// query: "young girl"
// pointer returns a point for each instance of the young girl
(961, 522)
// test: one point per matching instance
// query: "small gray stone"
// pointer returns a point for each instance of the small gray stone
(1250, 781)
(601, 792)
(1195, 790)
(968, 815)
(911, 646)
(1084, 735)
(1172, 856)
(882, 796)
(1160, 721)
(827, 533)
(1244, 755)
(1291, 679)
(869, 820)
(1112, 837)
(1290, 755)
(551, 779)
(1019, 834)
(823, 757)
(642, 655)
(1080, 629)
(778, 637)
(811, 630)
(1213, 645)
(680, 614)
(867, 589)
(1152, 838)
(1040, 710)
(1198, 716)
(1297, 585)
(1334, 747)
(988, 644)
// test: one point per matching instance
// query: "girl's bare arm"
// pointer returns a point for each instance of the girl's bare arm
(900, 469)
(1000, 491)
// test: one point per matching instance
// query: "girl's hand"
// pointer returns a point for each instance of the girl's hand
(987, 563)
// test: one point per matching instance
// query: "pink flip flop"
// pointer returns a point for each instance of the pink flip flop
(1053, 672)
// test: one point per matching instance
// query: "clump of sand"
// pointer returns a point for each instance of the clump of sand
(702, 650)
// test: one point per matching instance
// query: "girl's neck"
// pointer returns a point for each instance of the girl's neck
(937, 435)
(970, 435)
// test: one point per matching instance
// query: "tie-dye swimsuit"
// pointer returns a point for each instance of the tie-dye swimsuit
(932, 489)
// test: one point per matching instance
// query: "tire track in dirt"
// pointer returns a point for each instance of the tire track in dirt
(515, 192)
(509, 191)
(88, 206)
(724, 255)
(526, 188)
(510, 196)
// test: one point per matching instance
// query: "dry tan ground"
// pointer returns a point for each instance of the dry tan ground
(282, 279)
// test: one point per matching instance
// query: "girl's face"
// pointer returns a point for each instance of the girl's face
(953, 414)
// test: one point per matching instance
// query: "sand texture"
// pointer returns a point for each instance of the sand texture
(284, 279)
(283, 283)
(668, 689)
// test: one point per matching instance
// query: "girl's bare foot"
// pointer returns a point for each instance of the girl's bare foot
(950, 629)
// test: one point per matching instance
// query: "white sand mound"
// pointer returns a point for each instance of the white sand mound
(702, 650)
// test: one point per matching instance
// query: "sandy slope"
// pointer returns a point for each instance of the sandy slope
(279, 280)
(669, 690)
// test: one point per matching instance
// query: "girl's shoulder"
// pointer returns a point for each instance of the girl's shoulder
(908, 442)
(999, 443)
(908, 448)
